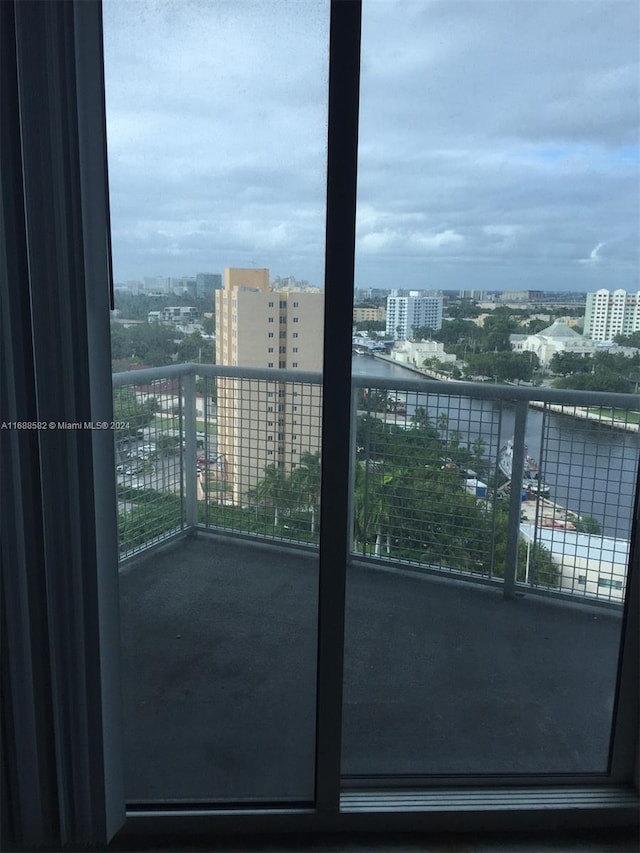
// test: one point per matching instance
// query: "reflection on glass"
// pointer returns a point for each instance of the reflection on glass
(497, 185)
(216, 119)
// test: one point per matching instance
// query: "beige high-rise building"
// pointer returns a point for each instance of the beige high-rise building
(261, 422)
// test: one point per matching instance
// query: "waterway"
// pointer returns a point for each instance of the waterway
(590, 469)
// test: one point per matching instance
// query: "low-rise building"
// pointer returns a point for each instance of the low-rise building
(180, 314)
(595, 566)
(556, 338)
(365, 315)
(415, 352)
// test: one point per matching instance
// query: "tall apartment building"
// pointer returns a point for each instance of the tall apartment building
(404, 313)
(183, 284)
(478, 295)
(609, 314)
(207, 283)
(260, 422)
(156, 284)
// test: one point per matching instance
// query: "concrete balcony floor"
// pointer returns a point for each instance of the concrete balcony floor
(441, 676)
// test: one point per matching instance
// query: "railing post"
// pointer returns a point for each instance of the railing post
(188, 435)
(515, 500)
(352, 468)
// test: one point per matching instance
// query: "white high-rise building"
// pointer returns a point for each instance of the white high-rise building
(406, 313)
(611, 313)
(262, 423)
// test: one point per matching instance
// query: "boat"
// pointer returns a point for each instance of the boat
(557, 523)
(536, 487)
(532, 482)
(396, 405)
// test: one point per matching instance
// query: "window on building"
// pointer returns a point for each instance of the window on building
(609, 583)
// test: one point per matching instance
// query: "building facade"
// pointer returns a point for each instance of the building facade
(416, 352)
(611, 313)
(406, 313)
(263, 423)
(366, 315)
(556, 338)
(207, 283)
(179, 314)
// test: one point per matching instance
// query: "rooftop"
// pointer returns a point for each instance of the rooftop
(559, 329)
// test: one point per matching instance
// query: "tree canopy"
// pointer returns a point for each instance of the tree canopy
(503, 366)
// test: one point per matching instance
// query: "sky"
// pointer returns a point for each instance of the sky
(498, 149)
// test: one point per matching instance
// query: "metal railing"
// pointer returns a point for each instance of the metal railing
(433, 465)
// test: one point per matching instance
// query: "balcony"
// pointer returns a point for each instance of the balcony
(483, 621)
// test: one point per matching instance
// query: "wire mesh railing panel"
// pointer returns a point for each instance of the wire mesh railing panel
(263, 477)
(149, 472)
(431, 483)
(425, 477)
(582, 524)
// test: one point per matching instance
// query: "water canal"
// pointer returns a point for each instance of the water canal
(590, 468)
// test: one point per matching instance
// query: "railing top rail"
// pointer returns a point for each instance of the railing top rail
(151, 374)
(510, 393)
(175, 371)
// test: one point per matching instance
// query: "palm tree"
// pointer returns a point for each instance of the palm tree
(443, 424)
(273, 491)
(420, 418)
(373, 499)
(305, 481)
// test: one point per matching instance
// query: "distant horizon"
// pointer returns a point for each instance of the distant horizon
(124, 285)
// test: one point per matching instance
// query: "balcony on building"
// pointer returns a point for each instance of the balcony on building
(484, 644)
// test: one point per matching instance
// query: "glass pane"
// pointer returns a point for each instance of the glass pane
(498, 184)
(217, 153)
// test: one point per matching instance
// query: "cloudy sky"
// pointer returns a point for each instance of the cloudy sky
(499, 140)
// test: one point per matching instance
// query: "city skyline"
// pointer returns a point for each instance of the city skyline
(497, 151)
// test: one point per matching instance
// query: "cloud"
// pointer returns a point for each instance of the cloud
(594, 256)
(448, 237)
(497, 140)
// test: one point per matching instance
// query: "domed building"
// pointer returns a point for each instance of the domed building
(558, 337)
